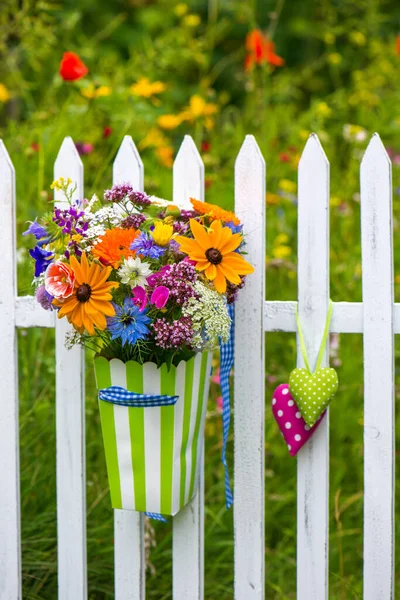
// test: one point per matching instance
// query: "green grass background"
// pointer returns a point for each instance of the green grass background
(342, 68)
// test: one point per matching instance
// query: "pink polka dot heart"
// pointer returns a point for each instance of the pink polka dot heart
(292, 425)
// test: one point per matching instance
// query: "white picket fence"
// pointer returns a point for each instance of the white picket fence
(377, 317)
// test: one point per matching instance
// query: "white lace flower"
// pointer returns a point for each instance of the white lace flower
(133, 272)
(210, 318)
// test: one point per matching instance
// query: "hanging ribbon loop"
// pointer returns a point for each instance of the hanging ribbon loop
(324, 338)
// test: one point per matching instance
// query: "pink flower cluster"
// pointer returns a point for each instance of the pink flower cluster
(175, 334)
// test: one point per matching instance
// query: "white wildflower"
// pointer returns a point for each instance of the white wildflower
(209, 316)
(73, 338)
(133, 272)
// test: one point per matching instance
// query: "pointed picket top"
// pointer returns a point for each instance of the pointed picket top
(188, 174)
(128, 166)
(249, 150)
(375, 155)
(68, 164)
(313, 152)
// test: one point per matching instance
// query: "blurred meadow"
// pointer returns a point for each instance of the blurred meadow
(216, 70)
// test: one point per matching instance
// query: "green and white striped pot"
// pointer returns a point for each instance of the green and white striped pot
(153, 454)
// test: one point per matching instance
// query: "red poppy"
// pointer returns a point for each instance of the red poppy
(205, 146)
(71, 67)
(398, 45)
(260, 50)
(107, 131)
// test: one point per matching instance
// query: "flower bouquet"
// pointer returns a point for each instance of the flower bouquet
(147, 285)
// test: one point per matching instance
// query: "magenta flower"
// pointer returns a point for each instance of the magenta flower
(160, 296)
(139, 297)
(152, 279)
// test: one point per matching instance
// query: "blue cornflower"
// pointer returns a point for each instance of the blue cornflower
(234, 228)
(146, 246)
(129, 323)
(42, 257)
(37, 230)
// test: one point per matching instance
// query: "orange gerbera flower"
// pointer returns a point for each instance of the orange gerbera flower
(213, 253)
(214, 212)
(90, 302)
(115, 245)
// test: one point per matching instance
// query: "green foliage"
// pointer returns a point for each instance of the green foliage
(341, 81)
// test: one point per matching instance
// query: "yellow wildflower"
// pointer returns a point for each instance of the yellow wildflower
(335, 201)
(281, 238)
(358, 38)
(169, 121)
(4, 94)
(272, 198)
(329, 38)
(303, 133)
(146, 89)
(165, 155)
(323, 110)
(162, 233)
(397, 279)
(335, 58)
(181, 9)
(154, 139)
(287, 186)
(281, 252)
(192, 20)
(92, 92)
(198, 107)
(61, 183)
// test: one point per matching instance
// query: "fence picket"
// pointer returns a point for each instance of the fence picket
(377, 269)
(313, 298)
(249, 380)
(130, 581)
(10, 535)
(188, 524)
(70, 427)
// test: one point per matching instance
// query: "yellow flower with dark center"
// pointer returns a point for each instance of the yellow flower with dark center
(162, 233)
(90, 302)
(213, 253)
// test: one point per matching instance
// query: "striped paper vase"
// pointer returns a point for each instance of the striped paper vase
(153, 454)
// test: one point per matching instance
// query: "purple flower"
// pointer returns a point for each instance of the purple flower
(118, 192)
(37, 230)
(160, 296)
(42, 257)
(84, 148)
(173, 335)
(146, 246)
(133, 221)
(44, 298)
(124, 191)
(139, 297)
(71, 220)
(179, 279)
(186, 215)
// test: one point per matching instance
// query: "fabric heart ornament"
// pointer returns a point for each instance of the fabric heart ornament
(293, 427)
(313, 391)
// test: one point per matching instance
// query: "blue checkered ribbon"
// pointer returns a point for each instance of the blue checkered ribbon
(226, 364)
(156, 517)
(119, 395)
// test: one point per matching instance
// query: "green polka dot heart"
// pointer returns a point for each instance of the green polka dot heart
(313, 392)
